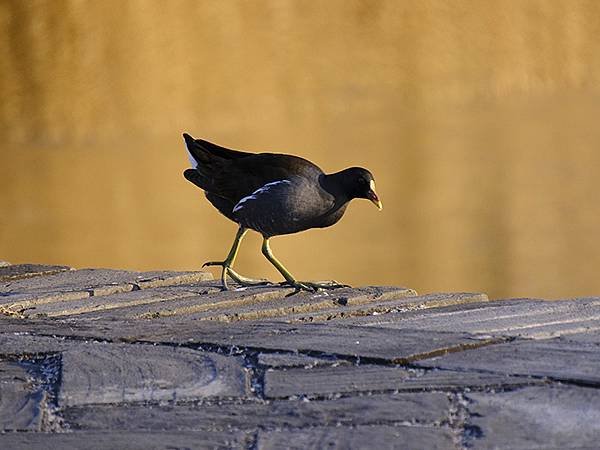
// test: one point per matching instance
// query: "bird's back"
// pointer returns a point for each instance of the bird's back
(227, 176)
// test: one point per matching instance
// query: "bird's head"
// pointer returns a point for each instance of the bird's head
(359, 183)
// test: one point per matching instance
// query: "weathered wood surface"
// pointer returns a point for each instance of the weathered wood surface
(117, 373)
(109, 359)
(147, 440)
(14, 345)
(427, 408)
(120, 305)
(9, 272)
(279, 360)
(381, 437)
(21, 295)
(520, 318)
(322, 304)
(368, 378)
(393, 346)
(387, 306)
(20, 399)
(551, 417)
(558, 358)
(336, 339)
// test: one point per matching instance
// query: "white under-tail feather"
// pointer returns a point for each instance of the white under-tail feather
(193, 161)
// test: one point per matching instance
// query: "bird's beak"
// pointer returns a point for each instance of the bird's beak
(372, 195)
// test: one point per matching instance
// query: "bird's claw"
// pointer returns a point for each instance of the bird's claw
(214, 263)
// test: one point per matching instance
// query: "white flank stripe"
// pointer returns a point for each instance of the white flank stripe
(259, 191)
(240, 205)
(193, 161)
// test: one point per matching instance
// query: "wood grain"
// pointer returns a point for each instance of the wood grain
(20, 399)
(327, 381)
(146, 440)
(422, 408)
(375, 437)
(558, 359)
(113, 373)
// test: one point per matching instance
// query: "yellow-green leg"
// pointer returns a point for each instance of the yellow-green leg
(290, 280)
(227, 265)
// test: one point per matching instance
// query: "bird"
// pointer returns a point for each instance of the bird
(273, 194)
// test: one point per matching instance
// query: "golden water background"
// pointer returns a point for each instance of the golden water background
(479, 119)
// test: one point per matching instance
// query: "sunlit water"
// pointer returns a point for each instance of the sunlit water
(479, 123)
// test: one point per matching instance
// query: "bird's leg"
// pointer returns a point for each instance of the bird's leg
(228, 264)
(290, 280)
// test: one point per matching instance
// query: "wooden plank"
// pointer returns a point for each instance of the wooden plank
(182, 309)
(15, 305)
(423, 408)
(392, 319)
(68, 328)
(21, 400)
(18, 271)
(113, 373)
(320, 339)
(262, 302)
(328, 381)
(336, 302)
(558, 359)
(553, 417)
(378, 308)
(397, 346)
(91, 279)
(120, 304)
(523, 318)
(20, 345)
(280, 360)
(373, 437)
(147, 440)
(589, 337)
(20, 295)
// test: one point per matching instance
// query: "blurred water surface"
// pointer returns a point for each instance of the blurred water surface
(479, 119)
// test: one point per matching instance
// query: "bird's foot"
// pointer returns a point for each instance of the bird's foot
(227, 270)
(330, 284)
(312, 286)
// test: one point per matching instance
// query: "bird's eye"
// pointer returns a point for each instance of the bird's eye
(362, 181)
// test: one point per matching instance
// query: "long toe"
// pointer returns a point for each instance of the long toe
(315, 285)
(329, 284)
(298, 286)
(244, 281)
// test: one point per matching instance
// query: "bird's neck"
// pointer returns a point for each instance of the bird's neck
(334, 183)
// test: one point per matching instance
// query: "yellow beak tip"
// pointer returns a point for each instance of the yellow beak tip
(377, 203)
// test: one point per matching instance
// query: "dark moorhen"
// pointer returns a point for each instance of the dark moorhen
(272, 194)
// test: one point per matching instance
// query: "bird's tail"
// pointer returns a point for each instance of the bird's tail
(206, 158)
(195, 177)
(196, 154)
(201, 160)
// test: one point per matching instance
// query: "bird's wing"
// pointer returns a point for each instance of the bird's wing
(283, 206)
(236, 179)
